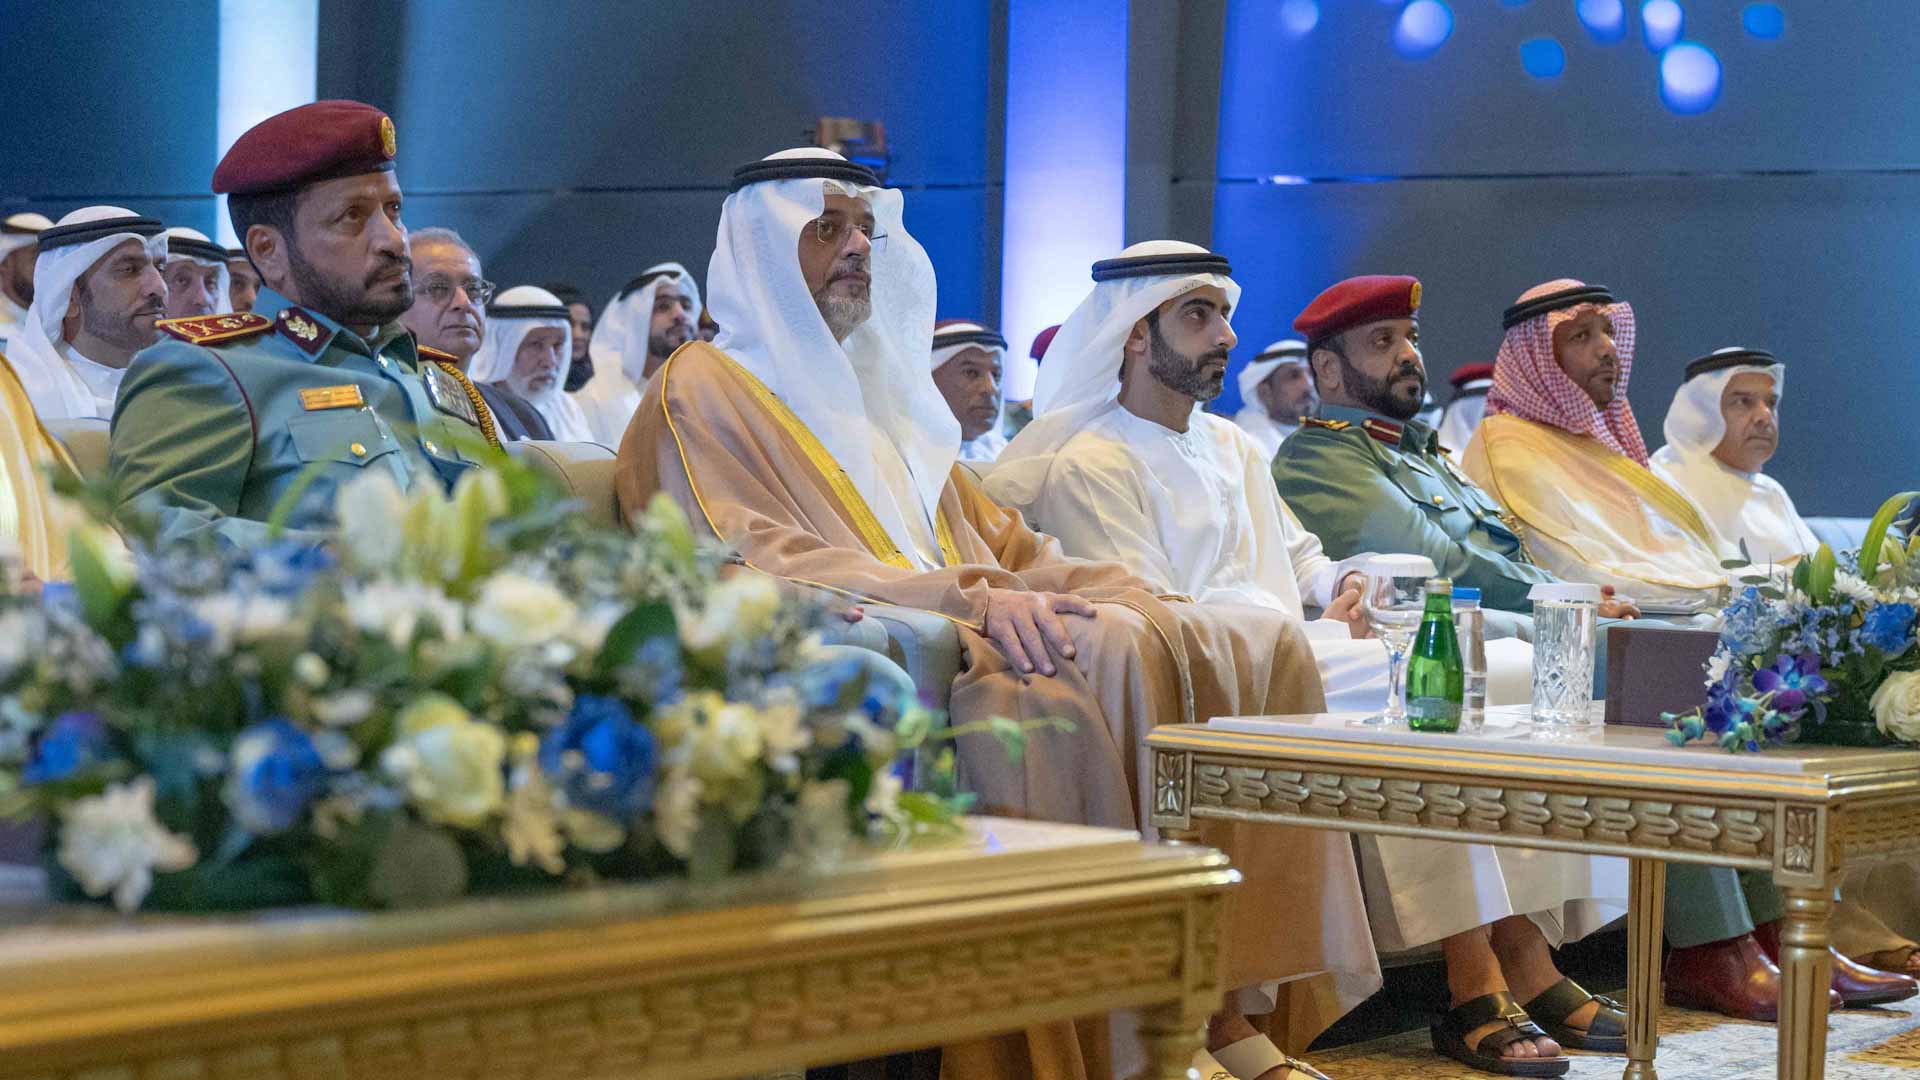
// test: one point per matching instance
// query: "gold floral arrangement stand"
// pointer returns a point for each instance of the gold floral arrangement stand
(1019, 924)
(1803, 813)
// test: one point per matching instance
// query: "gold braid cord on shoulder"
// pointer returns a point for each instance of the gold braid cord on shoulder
(872, 533)
(473, 395)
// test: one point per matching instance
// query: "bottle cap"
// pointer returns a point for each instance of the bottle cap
(1466, 594)
(1380, 566)
(1565, 592)
(1440, 585)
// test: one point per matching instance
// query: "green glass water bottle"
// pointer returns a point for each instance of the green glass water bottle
(1436, 678)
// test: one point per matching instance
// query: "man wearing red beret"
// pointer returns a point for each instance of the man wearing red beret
(220, 419)
(1367, 476)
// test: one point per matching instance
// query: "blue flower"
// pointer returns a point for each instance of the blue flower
(1791, 680)
(602, 758)
(1750, 623)
(72, 742)
(1889, 628)
(284, 568)
(275, 772)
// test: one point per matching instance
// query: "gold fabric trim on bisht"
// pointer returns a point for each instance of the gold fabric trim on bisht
(864, 521)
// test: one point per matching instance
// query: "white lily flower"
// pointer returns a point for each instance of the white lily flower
(112, 843)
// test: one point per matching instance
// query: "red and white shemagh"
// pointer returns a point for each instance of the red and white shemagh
(1528, 382)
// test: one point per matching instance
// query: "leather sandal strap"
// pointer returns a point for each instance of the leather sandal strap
(1559, 1001)
(1485, 1009)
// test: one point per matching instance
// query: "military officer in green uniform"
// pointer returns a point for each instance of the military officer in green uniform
(216, 423)
(1367, 476)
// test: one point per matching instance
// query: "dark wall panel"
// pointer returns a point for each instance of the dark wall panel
(588, 139)
(109, 102)
(1811, 267)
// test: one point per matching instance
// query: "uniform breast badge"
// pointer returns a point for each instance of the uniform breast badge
(314, 398)
(448, 395)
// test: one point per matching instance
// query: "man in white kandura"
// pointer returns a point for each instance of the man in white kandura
(642, 325)
(98, 298)
(1276, 394)
(1722, 429)
(1121, 463)
(528, 349)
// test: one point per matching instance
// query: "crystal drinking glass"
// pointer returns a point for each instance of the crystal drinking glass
(1394, 599)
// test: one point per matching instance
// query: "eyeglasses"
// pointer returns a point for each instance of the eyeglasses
(832, 232)
(440, 291)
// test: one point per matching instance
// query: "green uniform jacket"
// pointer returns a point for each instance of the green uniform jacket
(1362, 482)
(210, 434)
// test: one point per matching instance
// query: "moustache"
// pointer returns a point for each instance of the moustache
(391, 266)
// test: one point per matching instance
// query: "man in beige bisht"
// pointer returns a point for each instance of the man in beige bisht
(33, 523)
(1561, 450)
(810, 437)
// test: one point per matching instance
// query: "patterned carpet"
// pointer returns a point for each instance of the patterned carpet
(1862, 1044)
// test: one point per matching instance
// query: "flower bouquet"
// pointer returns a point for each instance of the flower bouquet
(1825, 654)
(459, 694)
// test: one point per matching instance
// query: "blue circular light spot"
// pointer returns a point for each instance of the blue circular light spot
(1764, 21)
(1606, 20)
(1661, 22)
(1423, 26)
(1689, 78)
(1543, 57)
(1299, 17)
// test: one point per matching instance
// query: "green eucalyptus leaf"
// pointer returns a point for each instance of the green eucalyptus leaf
(645, 622)
(417, 866)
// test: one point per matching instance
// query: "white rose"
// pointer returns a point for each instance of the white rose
(1896, 706)
(370, 510)
(727, 745)
(451, 764)
(241, 618)
(397, 609)
(113, 843)
(515, 611)
(741, 608)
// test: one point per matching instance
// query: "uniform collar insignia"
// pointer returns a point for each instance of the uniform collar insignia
(303, 329)
(1385, 431)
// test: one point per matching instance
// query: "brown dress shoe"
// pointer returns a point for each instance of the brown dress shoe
(1732, 977)
(1857, 984)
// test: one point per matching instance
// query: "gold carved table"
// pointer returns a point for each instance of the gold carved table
(1803, 813)
(1021, 924)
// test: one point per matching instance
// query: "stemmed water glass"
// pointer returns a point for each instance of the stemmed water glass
(1394, 599)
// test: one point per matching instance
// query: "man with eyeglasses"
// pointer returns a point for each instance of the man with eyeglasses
(229, 415)
(449, 323)
(812, 438)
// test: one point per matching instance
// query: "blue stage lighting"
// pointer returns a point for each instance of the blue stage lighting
(1764, 21)
(1606, 20)
(1661, 21)
(1689, 78)
(1423, 27)
(1543, 57)
(1299, 17)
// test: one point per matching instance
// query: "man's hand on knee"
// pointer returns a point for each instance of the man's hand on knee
(1028, 628)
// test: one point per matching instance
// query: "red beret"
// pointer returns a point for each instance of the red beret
(305, 145)
(1040, 342)
(1359, 300)
(1467, 373)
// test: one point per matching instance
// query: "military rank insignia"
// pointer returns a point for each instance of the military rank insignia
(213, 329)
(1382, 430)
(1330, 425)
(301, 329)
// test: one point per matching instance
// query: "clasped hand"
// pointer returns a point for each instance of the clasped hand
(1028, 628)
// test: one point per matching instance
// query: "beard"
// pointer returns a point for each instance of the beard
(1183, 374)
(351, 304)
(844, 314)
(660, 346)
(1377, 394)
(121, 329)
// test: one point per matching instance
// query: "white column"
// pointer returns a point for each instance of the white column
(268, 64)
(1065, 160)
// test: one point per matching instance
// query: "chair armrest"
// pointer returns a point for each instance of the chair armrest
(925, 645)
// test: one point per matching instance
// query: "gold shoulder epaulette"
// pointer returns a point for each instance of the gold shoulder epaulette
(1330, 425)
(215, 329)
(428, 352)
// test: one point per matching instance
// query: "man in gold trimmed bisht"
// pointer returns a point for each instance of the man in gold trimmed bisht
(32, 521)
(1560, 449)
(811, 437)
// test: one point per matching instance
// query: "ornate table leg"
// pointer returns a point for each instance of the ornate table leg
(1646, 927)
(1805, 974)
(1172, 1037)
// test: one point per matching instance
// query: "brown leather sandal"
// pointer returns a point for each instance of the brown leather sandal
(1450, 1038)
